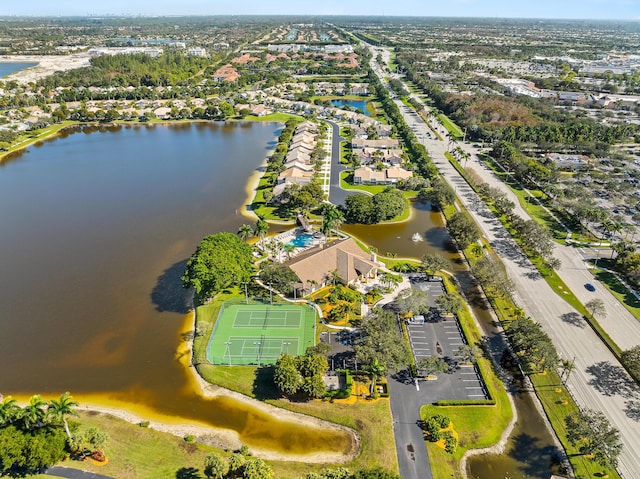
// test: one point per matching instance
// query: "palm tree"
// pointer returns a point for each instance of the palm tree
(332, 218)
(333, 276)
(289, 248)
(9, 411)
(245, 232)
(261, 229)
(63, 407)
(34, 413)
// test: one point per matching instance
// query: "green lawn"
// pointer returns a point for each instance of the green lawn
(620, 291)
(372, 420)
(279, 117)
(346, 182)
(553, 397)
(451, 126)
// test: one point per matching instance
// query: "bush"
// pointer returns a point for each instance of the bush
(442, 421)
(450, 442)
(190, 438)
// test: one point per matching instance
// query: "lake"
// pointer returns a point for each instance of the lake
(7, 68)
(96, 228)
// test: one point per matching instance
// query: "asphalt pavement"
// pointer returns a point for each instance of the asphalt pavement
(71, 473)
(599, 382)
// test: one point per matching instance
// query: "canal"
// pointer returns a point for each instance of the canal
(530, 452)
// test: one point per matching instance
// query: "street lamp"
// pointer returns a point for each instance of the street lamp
(258, 344)
(246, 293)
(228, 343)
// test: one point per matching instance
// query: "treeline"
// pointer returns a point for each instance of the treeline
(519, 120)
(169, 69)
(38, 435)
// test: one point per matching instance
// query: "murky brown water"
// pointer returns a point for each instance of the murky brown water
(95, 228)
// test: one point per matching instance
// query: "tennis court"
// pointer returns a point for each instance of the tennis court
(257, 333)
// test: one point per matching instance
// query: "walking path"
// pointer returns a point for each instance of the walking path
(71, 473)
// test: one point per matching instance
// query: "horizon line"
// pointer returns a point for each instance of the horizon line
(185, 15)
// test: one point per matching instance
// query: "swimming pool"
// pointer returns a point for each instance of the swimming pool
(302, 241)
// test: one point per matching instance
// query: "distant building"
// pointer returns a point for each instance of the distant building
(568, 162)
(197, 52)
(226, 73)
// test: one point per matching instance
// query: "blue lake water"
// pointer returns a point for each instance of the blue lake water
(7, 68)
(359, 104)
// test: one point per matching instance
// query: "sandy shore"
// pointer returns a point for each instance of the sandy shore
(228, 439)
(45, 67)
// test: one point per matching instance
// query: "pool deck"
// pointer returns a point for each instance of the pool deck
(288, 236)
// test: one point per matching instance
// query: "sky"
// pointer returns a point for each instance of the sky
(577, 9)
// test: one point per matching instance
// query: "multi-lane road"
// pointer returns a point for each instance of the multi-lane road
(598, 381)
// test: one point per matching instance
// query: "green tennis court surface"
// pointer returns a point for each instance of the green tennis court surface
(257, 333)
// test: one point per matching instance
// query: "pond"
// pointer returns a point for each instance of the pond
(361, 105)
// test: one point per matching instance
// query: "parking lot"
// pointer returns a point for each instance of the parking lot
(441, 336)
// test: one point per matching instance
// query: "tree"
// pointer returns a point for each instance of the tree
(463, 229)
(532, 345)
(413, 301)
(381, 340)
(567, 366)
(96, 440)
(332, 218)
(220, 261)
(389, 204)
(34, 413)
(236, 461)
(261, 229)
(359, 208)
(468, 354)
(631, 359)
(441, 194)
(257, 469)
(9, 411)
(596, 307)
(215, 466)
(286, 375)
(376, 370)
(433, 263)
(431, 365)
(449, 303)
(24, 452)
(62, 408)
(245, 232)
(594, 434)
(279, 276)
